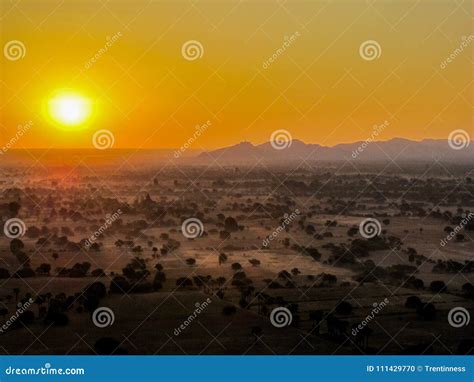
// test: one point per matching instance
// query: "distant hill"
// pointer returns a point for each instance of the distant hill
(396, 149)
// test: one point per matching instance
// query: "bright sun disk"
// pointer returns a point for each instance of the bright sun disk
(69, 109)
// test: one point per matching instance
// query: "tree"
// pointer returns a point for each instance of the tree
(229, 310)
(236, 266)
(438, 286)
(285, 275)
(468, 288)
(295, 272)
(254, 262)
(160, 277)
(230, 224)
(344, 307)
(224, 235)
(136, 270)
(4, 273)
(43, 269)
(427, 311)
(222, 258)
(24, 272)
(16, 245)
(448, 229)
(413, 302)
(158, 281)
(418, 284)
(352, 231)
(3, 312)
(119, 285)
(184, 282)
(99, 272)
(191, 261)
(96, 289)
(16, 292)
(316, 316)
(310, 230)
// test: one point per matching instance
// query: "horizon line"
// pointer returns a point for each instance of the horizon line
(223, 147)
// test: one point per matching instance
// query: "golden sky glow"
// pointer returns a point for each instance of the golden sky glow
(127, 58)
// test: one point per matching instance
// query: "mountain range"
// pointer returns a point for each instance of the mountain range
(396, 149)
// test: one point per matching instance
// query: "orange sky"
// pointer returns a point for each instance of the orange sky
(319, 88)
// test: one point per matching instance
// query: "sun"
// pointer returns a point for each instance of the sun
(70, 109)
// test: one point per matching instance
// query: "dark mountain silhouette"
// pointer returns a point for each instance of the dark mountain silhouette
(397, 149)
